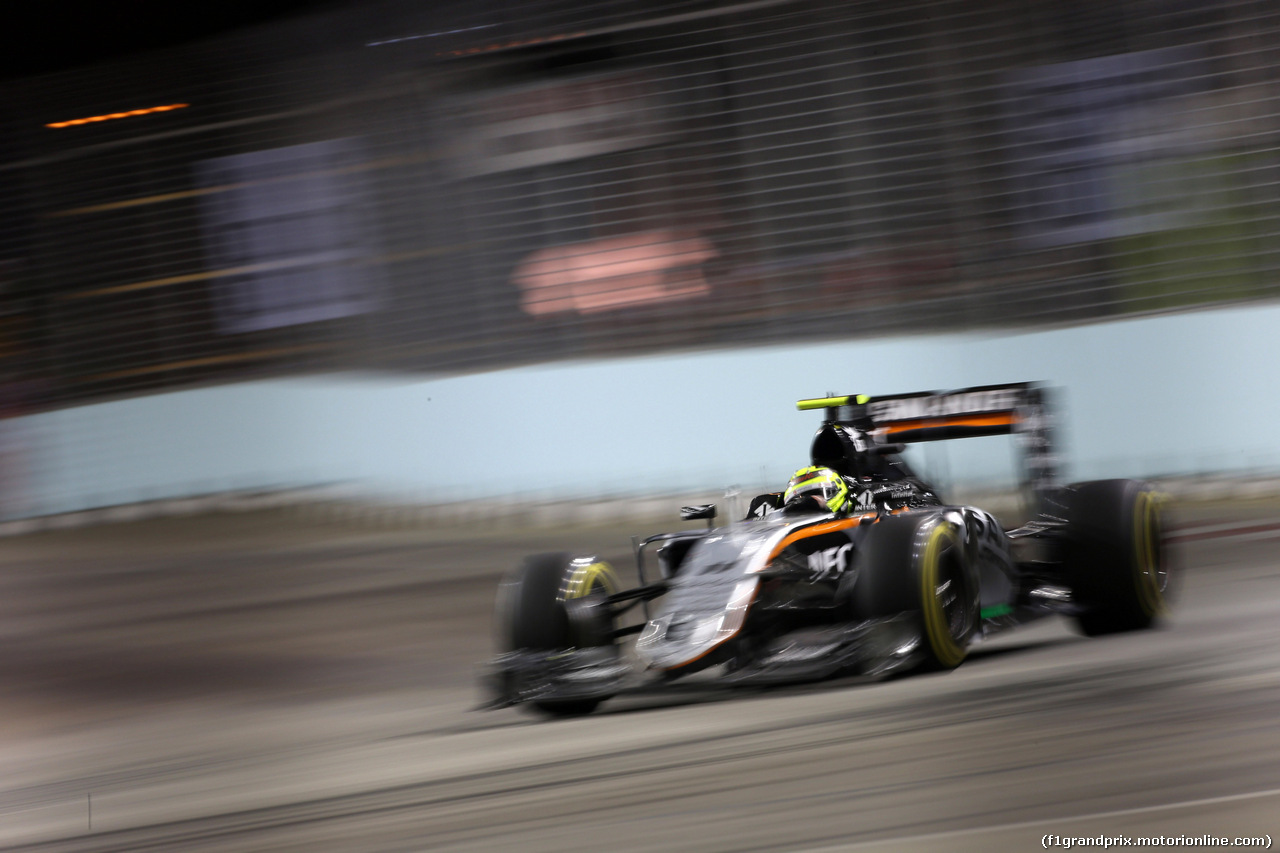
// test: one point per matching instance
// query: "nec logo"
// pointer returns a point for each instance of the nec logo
(831, 561)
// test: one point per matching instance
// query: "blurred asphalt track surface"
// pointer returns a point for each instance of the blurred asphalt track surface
(261, 681)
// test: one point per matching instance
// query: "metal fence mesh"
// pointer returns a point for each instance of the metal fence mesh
(475, 185)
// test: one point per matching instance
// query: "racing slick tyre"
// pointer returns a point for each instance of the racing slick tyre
(1115, 555)
(533, 613)
(917, 563)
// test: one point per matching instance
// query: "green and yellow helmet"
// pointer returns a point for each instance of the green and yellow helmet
(821, 483)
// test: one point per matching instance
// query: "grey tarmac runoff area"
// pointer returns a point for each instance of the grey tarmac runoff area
(258, 681)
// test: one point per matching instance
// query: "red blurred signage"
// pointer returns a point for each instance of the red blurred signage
(647, 268)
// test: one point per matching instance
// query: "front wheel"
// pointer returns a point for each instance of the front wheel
(948, 600)
(533, 614)
(917, 563)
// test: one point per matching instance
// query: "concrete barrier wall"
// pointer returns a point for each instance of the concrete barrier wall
(1180, 394)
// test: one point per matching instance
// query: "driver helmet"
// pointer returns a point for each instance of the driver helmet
(828, 487)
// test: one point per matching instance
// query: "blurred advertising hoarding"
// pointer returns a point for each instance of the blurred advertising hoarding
(288, 226)
(1083, 134)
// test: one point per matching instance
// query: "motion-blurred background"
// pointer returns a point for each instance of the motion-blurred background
(371, 242)
(571, 262)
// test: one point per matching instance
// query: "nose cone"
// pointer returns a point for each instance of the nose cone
(697, 619)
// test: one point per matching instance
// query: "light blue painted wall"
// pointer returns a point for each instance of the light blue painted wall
(1178, 394)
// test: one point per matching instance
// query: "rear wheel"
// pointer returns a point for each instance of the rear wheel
(917, 563)
(533, 613)
(1115, 555)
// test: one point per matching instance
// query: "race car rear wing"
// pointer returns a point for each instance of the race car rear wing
(1019, 409)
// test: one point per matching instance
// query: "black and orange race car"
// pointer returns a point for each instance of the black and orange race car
(895, 579)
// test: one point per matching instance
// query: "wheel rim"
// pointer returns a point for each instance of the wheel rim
(948, 616)
(949, 593)
(586, 577)
(1152, 573)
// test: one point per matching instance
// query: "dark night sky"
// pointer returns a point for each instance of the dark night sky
(69, 33)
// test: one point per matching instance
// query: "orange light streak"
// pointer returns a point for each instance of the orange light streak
(109, 116)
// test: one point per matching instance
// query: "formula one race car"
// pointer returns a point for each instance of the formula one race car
(860, 568)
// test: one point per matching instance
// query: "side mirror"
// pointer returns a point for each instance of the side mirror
(693, 513)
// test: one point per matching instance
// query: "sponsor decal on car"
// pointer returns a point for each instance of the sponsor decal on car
(944, 405)
(830, 561)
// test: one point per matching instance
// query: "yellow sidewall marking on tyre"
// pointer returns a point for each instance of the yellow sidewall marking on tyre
(584, 578)
(1146, 530)
(937, 632)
